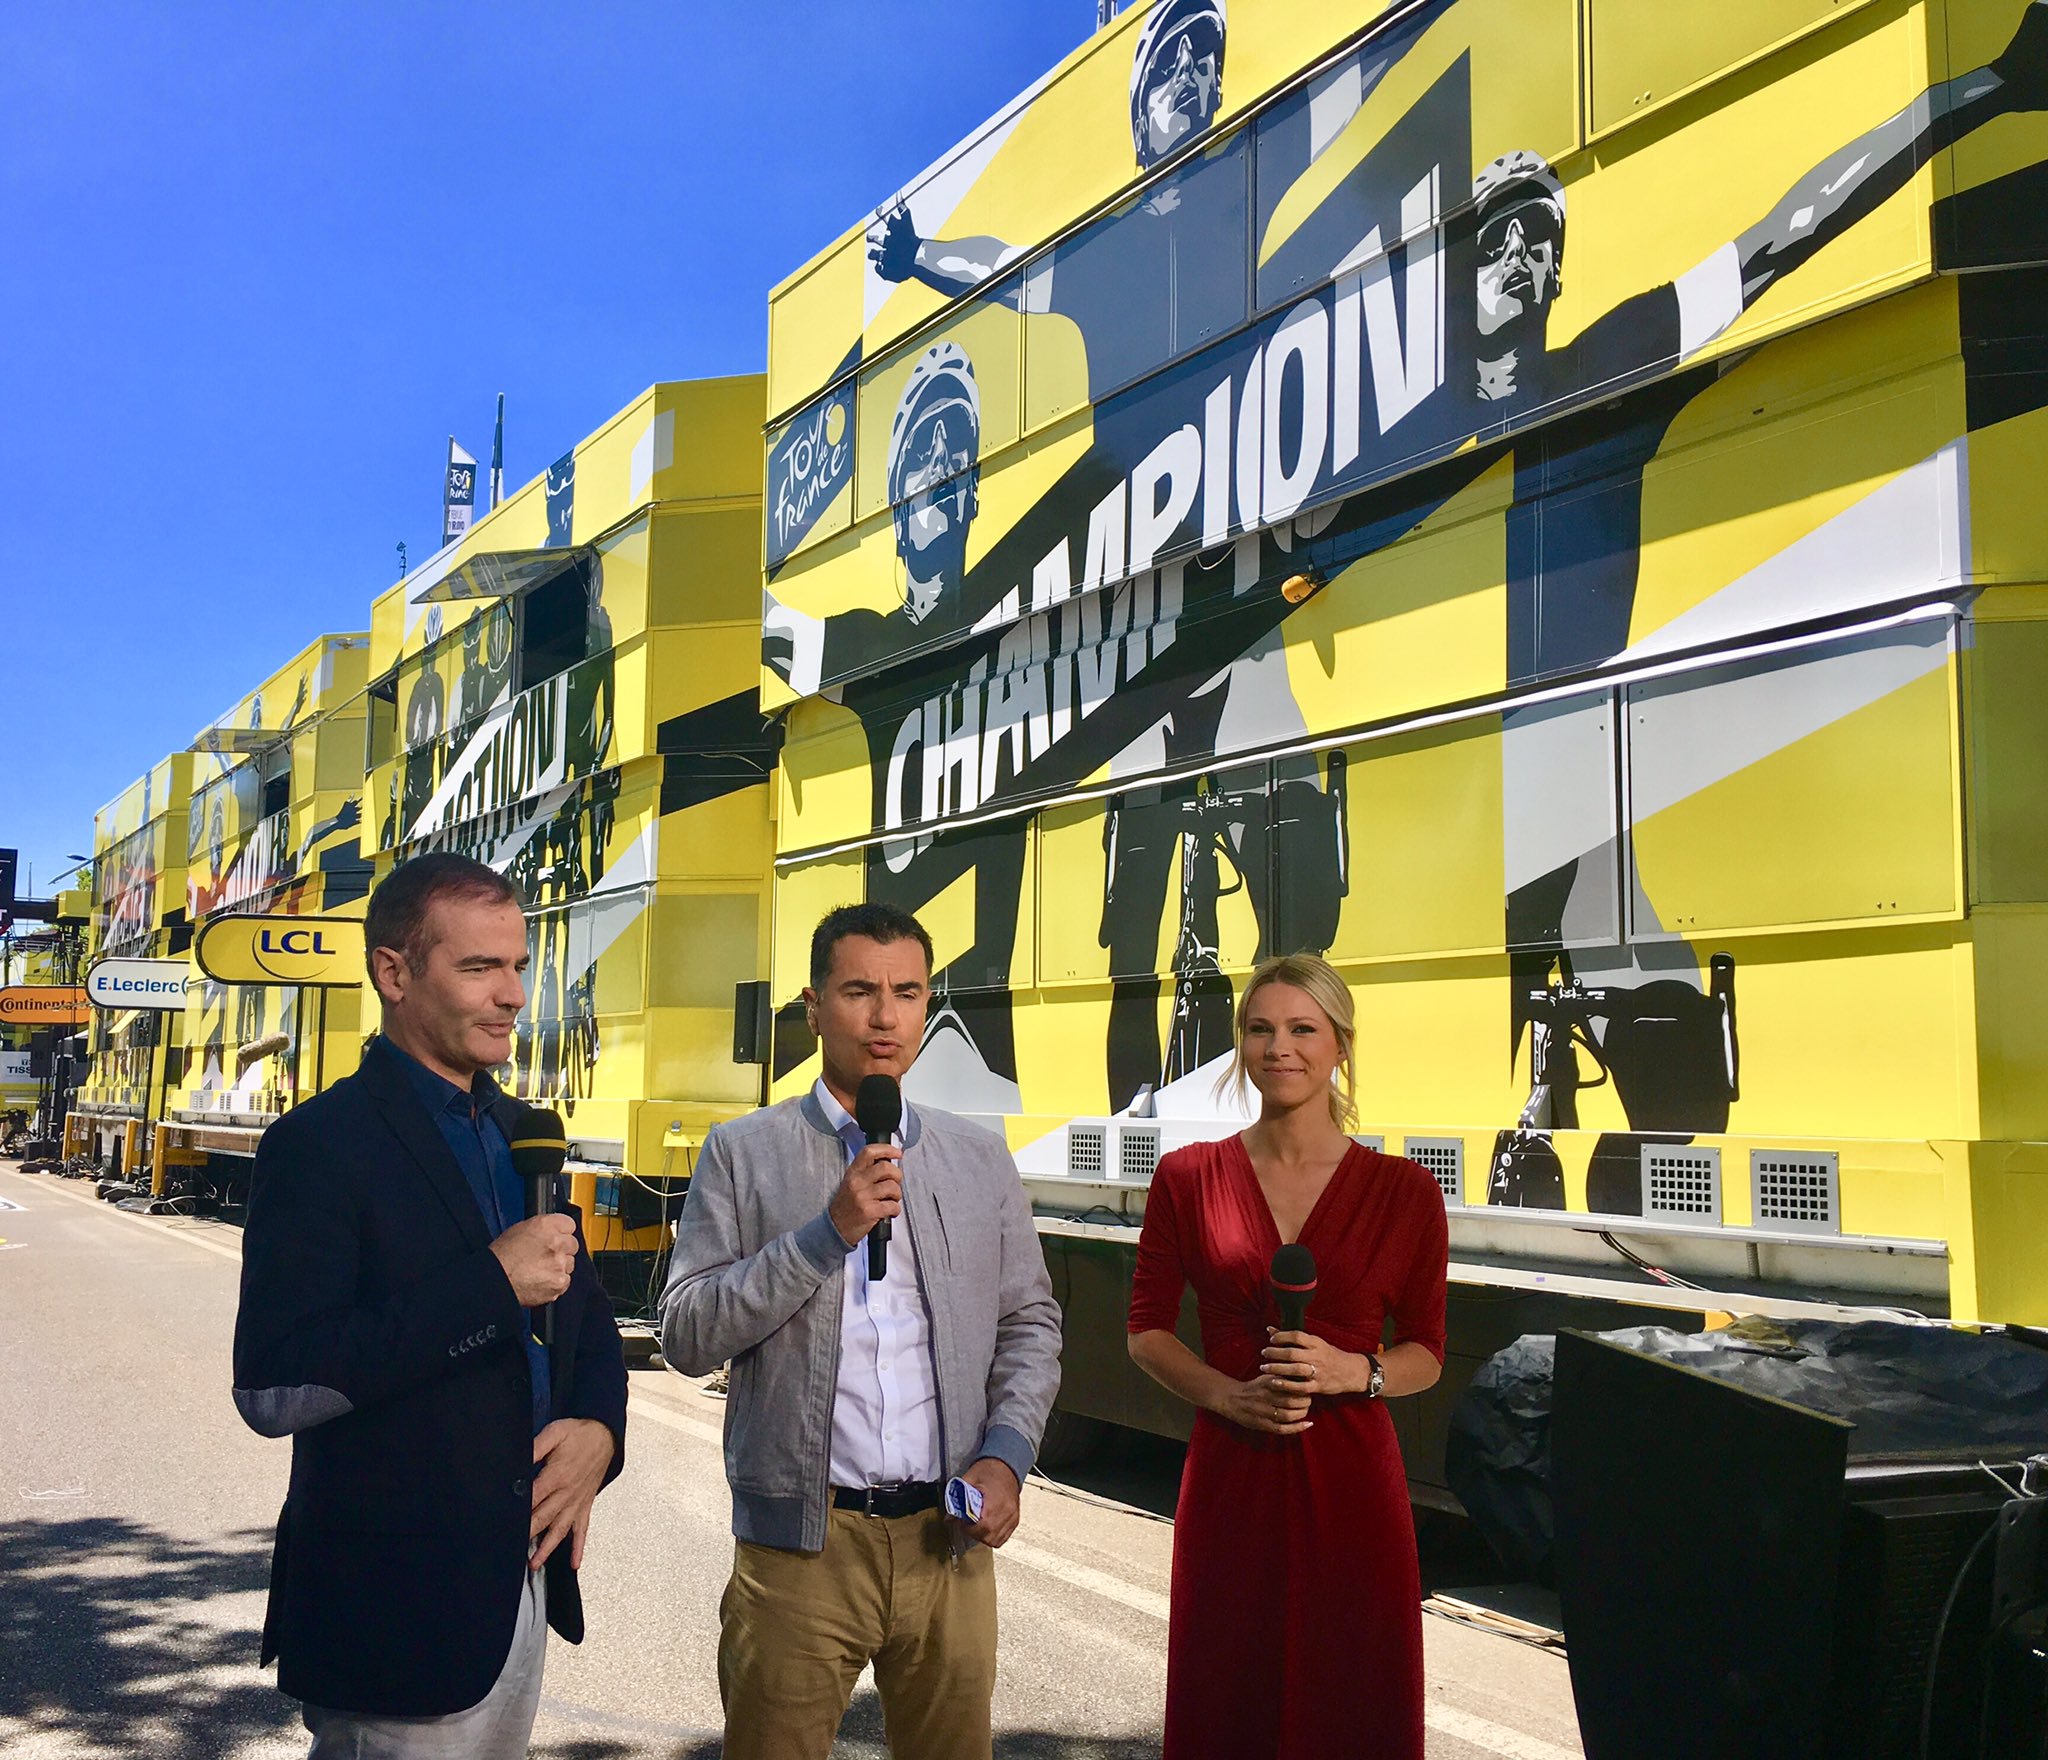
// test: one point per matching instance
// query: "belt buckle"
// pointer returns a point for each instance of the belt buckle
(868, 1504)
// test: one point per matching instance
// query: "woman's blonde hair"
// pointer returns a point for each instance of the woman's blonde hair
(1319, 979)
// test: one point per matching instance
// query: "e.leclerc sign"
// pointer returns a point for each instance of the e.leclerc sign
(317, 951)
(139, 983)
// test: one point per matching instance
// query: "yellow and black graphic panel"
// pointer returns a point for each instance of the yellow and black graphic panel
(520, 745)
(1995, 211)
(1423, 299)
(1813, 789)
(139, 858)
(255, 1050)
(803, 894)
(276, 806)
(1165, 77)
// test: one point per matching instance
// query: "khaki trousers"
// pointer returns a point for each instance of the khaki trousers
(796, 1628)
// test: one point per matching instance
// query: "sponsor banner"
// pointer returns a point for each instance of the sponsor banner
(45, 1005)
(139, 983)
(319, 951)
(14, 1067)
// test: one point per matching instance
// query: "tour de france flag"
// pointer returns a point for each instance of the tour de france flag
(458, 495)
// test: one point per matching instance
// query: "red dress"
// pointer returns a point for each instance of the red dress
(1296, 1623)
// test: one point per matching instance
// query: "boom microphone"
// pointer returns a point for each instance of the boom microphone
(539, 1147)
(1294, 1284)
(878, 1110)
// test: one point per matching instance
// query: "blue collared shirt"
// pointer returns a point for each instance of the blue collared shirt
(485, 1158)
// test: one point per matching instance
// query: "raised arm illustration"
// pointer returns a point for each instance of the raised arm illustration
(950, 266)
(1852, 183)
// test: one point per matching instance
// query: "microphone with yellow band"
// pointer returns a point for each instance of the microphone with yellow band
(539, 1147)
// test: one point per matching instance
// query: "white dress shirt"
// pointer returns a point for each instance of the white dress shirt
(885, 1417)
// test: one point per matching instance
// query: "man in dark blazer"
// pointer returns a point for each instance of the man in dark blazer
(441, 1455)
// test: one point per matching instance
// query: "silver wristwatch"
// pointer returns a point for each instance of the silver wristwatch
(1376, 1379)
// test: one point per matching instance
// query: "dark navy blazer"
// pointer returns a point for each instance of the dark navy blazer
(378, 1331)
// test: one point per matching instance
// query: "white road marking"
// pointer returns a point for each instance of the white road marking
(583, 1717)
(1082, 1576)
(177, 1228)
(1510, 1744)
(643, 1405)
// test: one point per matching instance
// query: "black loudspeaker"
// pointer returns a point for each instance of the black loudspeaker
(41, 1063)
(1730, 1593)
(1698, 1548)
(752, 1022)
(1915, 1608)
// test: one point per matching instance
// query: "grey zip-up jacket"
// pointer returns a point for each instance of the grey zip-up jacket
(758, 1277)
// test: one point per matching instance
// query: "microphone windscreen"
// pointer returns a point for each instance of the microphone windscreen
(878, 1107)
(1294, 1269)
(538, 1141)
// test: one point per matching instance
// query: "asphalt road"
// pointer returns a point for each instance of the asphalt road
(136, 1515)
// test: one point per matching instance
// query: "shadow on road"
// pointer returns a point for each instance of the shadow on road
(112, 1643)
(860, 1738)
(107, 1639)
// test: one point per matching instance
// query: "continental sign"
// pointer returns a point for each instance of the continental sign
(1401, 261)
(60, 1005)
(318, 951)
(139, 983)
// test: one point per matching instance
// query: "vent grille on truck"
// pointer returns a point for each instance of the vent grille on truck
(1797, 1189)
(1137, 1153)
(1085, 1150)
(1443, 1158)
(1682, 1184)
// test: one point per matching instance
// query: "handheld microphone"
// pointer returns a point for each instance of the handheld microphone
(1294, 1284)
(878, 1110)
(539, 1147)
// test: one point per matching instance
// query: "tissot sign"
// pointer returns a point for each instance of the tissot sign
(139, 983)
(321, 951)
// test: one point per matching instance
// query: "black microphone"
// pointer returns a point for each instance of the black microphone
(539, 1147)
(878, 1110)
(1294, 1284)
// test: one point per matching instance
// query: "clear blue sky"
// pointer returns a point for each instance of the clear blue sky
(260, 260)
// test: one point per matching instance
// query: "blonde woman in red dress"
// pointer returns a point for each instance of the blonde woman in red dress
(1296, 1624)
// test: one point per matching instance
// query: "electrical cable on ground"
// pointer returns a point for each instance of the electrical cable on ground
(1044, 1482)
(1670, 1279)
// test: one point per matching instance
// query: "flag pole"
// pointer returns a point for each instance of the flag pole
(498, 455)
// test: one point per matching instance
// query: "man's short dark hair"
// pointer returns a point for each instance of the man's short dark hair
(878, 922)
(397, 915)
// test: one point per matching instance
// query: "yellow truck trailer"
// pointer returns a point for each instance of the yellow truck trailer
(273, 829)
(138, 912)
(569, 694)
(1533, 499)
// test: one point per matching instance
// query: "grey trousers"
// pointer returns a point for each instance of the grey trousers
(498, 1727)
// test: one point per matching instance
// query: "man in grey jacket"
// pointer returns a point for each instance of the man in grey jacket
(855, 1399)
